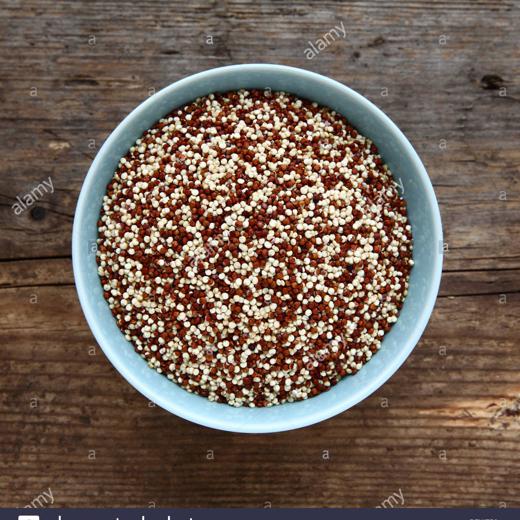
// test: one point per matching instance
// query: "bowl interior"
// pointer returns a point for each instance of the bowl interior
(423, 214)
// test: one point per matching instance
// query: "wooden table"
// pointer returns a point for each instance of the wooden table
(443, 431)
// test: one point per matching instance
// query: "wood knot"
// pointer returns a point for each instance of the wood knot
(491, 82)
(38, 213)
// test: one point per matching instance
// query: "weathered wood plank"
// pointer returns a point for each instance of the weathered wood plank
(451, 411)
(464, 127)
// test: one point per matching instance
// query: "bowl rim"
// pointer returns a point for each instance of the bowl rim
(223, 423)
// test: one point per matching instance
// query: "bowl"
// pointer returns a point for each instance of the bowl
(423, 213)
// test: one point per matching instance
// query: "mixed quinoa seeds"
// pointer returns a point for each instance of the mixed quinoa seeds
(254, 248)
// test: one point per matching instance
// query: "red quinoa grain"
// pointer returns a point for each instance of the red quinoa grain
(254, 248)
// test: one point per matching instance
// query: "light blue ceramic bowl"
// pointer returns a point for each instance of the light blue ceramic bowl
(423, 214)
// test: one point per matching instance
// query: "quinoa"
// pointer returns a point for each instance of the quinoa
(254, 248)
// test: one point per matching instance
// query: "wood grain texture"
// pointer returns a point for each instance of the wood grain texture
(444, 430)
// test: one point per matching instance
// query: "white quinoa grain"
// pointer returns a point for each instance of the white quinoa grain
(254, 248)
